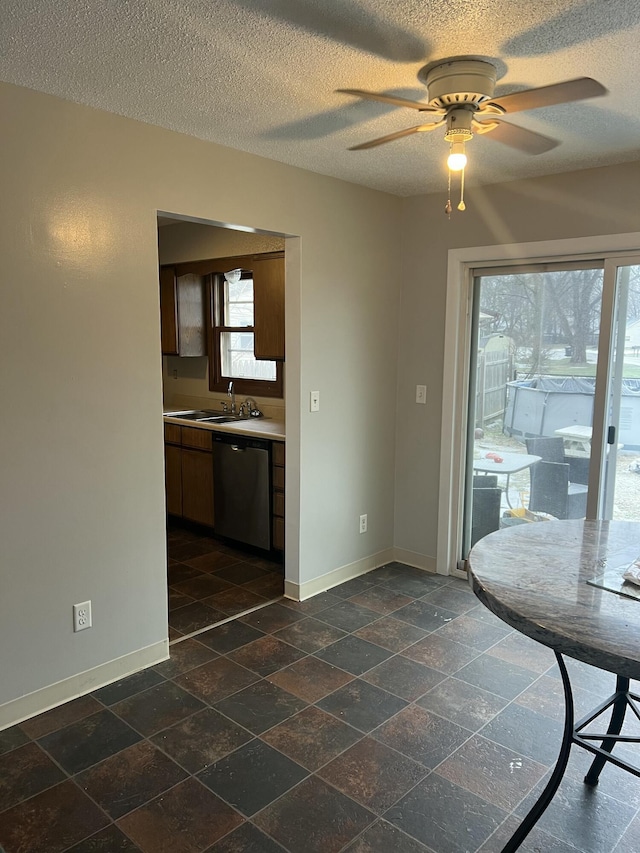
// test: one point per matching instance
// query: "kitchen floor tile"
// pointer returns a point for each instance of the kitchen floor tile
(195, 616)
(232, 635)
(310, 634)
(215, 680)
(403, 677)
(13, 738)
(157, 708)
(353, 654)
(348, 616)
(201, 740)
(380, 600)
(383, 837)
(493, 772)
(424, 615)
(109, 840)
(314, 818)
(435, 813)
(439, 653)
(201, 587)
(496, 676)
(213, 561)
(189, 818)
(391, 634)
(266, 655)
(241, 573)
(252, 777)
(462, 703)
(310, 679)
(129, 779)
(184, 656)
(50, 822)
(312, 737)
(470, 632)
(313, 605)
(362, 705)
(26, 771)
(272, 618)
(246, 839)
(59, 717)
(260, 706)
(89, 741)
(422, 736)
(372, 774)
(119, 690)
(234, 600)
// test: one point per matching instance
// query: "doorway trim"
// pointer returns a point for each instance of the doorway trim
(456, 361)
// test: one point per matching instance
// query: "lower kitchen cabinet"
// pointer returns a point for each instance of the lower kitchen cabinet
(278, 463)
(189, 473)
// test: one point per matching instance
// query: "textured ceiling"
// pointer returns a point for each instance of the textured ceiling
(260, 75)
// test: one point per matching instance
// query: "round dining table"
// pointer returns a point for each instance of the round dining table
(561, 583)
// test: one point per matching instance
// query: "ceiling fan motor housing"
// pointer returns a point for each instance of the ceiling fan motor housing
(460, 82)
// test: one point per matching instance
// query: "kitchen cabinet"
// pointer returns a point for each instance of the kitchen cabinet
(268, 297)
(278, 467)
(182, 313)
(189, 473)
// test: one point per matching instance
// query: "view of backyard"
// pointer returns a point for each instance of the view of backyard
(534, 374)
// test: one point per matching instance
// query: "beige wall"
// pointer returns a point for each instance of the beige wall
(578, 204)
(82, 444)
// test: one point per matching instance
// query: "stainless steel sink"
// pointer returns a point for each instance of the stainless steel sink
(207, 415)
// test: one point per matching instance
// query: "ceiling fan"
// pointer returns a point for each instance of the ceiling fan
(460, 93)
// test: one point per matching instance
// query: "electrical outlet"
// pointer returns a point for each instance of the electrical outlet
(363, 523)
(174, 372)
(421, 393)
(82, 616)
(314, 401)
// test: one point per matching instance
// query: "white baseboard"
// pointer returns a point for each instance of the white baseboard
(70, 688)
(418, 561)
(300, 592)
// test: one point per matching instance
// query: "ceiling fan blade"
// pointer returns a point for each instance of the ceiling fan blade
(421, 128)
(391, 99)
(546, 96)
(517, 137)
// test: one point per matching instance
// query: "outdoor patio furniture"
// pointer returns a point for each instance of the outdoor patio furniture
(552, 490)
(485, 509)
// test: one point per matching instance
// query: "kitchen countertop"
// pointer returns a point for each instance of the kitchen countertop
(262, 427)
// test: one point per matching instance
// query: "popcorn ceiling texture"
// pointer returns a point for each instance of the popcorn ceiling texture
(260, 75)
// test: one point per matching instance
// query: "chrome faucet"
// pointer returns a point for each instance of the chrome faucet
(231, 393)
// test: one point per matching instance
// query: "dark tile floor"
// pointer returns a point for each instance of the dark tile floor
(393, 714)
(210, 581)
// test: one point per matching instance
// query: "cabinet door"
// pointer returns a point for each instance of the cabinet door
(197, 486)
(168, 311)
(191, 317)
(268, 295)
(173, 479)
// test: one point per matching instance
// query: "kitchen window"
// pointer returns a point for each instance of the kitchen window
(232, 339)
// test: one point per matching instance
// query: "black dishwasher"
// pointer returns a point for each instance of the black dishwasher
(241, 489)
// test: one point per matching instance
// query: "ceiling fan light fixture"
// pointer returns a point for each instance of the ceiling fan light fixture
(457, 158)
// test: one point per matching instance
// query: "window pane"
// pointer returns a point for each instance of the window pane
(238, 361)
(238, 302)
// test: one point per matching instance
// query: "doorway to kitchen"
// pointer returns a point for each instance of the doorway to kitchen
(209, 297)
(542, 391)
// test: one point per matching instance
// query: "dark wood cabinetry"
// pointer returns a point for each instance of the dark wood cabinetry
(268, 295)
(182, 313)
(278, 466)
(189, 473)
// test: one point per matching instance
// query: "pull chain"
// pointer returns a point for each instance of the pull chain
(462, 205)
(447, 207)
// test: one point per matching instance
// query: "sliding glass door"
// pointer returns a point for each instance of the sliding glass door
(554, 380)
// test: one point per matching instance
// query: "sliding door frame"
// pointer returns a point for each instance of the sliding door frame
(462, 263)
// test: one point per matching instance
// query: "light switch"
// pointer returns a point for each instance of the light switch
(314, 401)
(421, 393)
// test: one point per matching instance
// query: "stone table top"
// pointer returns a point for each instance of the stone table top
(534, 577)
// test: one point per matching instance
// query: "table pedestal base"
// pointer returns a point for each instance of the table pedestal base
(619, 702)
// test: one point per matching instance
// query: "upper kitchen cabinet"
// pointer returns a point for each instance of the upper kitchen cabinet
(268, 285)
(182, 313)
